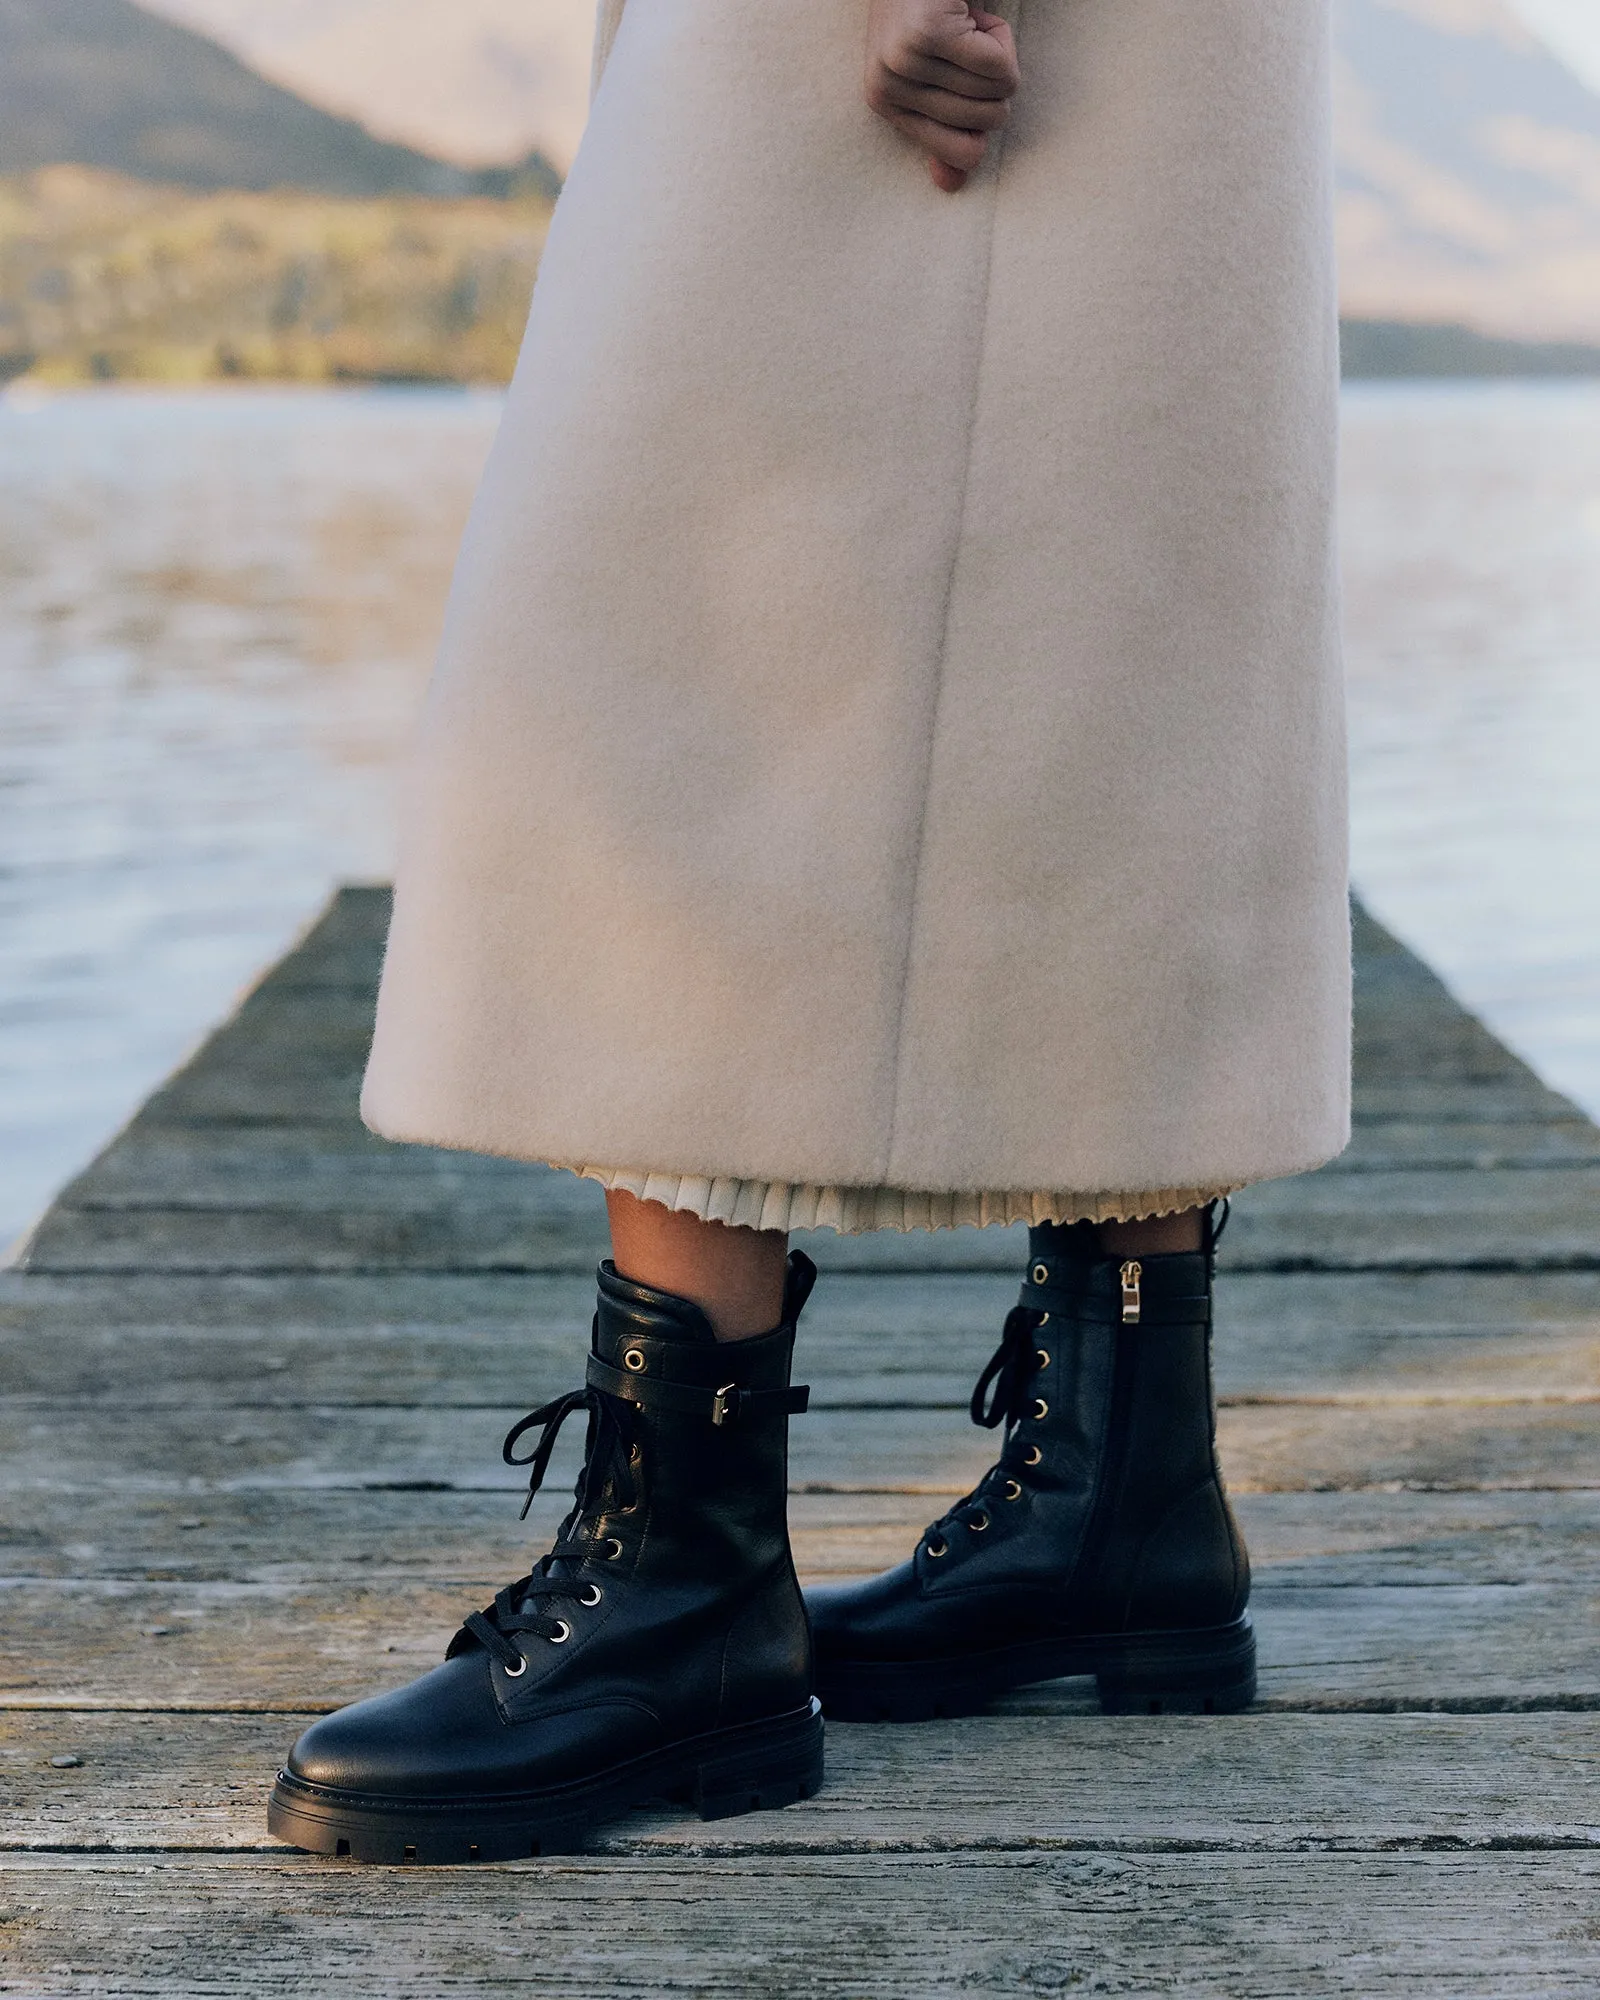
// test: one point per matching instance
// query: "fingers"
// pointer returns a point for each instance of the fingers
(969, 114)
(959, 150)
(988, 52)
(942, 73)
(917, 67)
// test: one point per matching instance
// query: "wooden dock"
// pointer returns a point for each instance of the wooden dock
(256, 1368)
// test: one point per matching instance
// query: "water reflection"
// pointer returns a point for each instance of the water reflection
(218, 612)
(1472, 567)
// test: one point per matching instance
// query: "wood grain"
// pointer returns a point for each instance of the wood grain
(254, 1369)
(1037, 1923)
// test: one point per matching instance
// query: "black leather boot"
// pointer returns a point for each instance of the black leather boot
(1101, 1543)
(659, 1649)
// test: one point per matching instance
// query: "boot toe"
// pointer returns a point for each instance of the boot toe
(430, 1738)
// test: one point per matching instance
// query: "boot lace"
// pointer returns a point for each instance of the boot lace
(1000, 1397)
(608, 1468)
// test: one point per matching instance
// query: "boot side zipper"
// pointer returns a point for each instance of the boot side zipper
(1132, 1273)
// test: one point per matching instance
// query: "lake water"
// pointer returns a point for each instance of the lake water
(217, 617)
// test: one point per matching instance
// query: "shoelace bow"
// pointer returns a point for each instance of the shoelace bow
(1001, 1397)
(607, 1465)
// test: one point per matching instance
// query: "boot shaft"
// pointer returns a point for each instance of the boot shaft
(707, 1483)
(1128, 1464)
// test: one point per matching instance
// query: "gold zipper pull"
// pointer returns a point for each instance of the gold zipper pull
(1132, 1272)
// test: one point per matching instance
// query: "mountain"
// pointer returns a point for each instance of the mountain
(1469, 172)
(476, 81)
(104, 83)
(1469, 156)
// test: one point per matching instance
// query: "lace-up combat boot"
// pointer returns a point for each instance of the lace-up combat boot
(659, 1649)
(1101, 1543)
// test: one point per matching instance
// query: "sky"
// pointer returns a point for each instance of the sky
(1573, 29)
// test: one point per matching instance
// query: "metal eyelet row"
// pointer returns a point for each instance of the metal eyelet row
(592, 1595)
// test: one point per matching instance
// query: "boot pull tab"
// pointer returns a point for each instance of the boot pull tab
(799, 1278)
(1131, 1273)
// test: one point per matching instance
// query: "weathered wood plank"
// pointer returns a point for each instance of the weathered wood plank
(279, 1414)
(1530, 1218)
(1226, 1784)
(1274, 1447)
(173, 1195)
(255, 1166)
(867, 1338)
(304, 1645)
(1035, 1923)
(337, 1536)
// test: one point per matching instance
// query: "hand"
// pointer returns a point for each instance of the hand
(942, 72)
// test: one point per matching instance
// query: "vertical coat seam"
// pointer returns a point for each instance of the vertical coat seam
(939, 663)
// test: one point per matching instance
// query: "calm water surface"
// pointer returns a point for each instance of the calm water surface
(217, 613)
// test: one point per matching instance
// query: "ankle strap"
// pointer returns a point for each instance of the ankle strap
(729, 1404)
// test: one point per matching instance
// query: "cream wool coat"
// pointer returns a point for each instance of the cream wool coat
(888, 727)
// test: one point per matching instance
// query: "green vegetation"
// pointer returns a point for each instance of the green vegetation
(105, 278)
(108, 278)
(1375, 349)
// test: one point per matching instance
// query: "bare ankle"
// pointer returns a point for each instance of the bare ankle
(1155, 1235)
(734, 1275)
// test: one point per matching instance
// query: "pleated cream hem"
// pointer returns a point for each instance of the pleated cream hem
(853, 1211)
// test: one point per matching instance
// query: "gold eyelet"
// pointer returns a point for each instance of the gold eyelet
(611, 1548)
(1013, 1489)
(515, 1673)
(978, 1523)
(561, 1634)
(1041, 1409)
(1041, 1357)
(634, 1359)
(1040, 1274)
(634, 1454)
(592, 1594)
(1032, 1455)
(937, 1549)
(1044, 1319)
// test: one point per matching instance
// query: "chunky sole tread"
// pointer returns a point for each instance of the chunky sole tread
(757, 1767)
(1205, 1672)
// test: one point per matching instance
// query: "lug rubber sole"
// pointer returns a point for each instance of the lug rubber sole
(754, 1768)
(1206, 1672)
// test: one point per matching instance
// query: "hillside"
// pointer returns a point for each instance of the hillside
(1469, 156)
(105, 83)
(476, 81)
(105, 278)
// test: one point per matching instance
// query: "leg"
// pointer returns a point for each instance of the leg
(735, 1276)
(1155, 1236)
